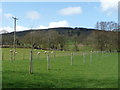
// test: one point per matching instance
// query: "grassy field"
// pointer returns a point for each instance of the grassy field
(99, 71)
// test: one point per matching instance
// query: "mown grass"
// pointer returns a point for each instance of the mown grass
(100, 72)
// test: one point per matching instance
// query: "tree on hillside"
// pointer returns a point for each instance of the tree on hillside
(108, 26)
(76, 42)
(52, 37)
(99, 40)
(104, 40)
(112, 42)
(26, 40)
(61, 40)
(7, 40)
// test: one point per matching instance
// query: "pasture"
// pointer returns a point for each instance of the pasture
(93, 70)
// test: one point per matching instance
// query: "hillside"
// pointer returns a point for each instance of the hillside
(61, 30)
(64, 38)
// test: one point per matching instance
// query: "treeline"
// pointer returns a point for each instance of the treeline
(108, 26)
(55, 38)
(103, 40)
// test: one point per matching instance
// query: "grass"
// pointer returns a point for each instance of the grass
(101, 72)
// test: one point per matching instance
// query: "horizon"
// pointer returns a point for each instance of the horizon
(56, 14)
(5, 31)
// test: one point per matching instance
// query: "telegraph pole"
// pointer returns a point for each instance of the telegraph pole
(14, 45)
(31, 55)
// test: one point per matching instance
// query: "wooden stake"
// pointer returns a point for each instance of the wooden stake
(48, 62)
(71, 58)
(11, 53)
(31, 63)
(83, 58)
(11, 56)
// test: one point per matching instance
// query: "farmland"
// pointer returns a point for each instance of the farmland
(97, 71)
(59, 44)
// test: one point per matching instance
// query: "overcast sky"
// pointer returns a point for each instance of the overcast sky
(57, 14)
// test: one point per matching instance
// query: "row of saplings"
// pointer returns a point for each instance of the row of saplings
(13, 52)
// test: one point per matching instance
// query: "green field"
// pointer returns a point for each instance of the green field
(99, 71)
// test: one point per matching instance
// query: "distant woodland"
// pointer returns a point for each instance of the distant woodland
(104, 38)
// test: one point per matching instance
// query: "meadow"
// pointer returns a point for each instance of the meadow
(94, 70)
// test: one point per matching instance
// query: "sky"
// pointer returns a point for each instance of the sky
(42, 15)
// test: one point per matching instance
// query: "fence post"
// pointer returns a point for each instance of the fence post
(31, 63)
(48, 62)
(71, 58)
(83, 58)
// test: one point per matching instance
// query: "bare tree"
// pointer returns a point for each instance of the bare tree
(109, 26)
